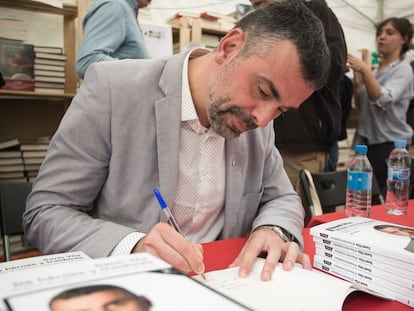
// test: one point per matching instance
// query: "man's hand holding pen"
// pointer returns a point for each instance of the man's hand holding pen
(166, 243)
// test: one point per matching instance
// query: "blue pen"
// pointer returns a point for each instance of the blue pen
(166, 210)
(169, 215)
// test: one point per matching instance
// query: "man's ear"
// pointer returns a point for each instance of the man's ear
(230, 45)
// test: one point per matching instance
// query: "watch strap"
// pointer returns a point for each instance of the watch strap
(285, 235)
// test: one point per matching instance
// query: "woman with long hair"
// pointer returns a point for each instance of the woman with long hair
(383, 95)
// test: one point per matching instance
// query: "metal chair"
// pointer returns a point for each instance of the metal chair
(323, 192)
(12, 205)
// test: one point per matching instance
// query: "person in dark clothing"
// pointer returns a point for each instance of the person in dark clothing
(304, 136)
(346, 90)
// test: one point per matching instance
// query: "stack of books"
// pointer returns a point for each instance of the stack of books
(33, 153)
(11, 161)
(49, 69)
(371, 253)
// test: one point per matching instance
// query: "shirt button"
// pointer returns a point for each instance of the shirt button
(233, 162)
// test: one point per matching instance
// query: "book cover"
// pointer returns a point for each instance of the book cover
(48, 67)
(49, 79)
(11, 161)
(7, 175)
(49, 85)
(370, 235)
(16, 65)
(10, 153)
(12, 168)
(34, 154)
(37, 160)
(48, 49)
(51, 56)
(13, 29)
(138, 275)
(49, 73)
(51, 62)
(9, 143)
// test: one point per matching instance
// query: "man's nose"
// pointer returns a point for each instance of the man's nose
(263, 115)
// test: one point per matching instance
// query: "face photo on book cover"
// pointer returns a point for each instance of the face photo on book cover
(99, 298)
(399, 231)
(156, 290)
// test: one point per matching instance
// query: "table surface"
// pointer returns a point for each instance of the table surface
(219, 254)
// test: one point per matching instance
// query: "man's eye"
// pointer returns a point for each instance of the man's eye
(262, 93)
(282, 110)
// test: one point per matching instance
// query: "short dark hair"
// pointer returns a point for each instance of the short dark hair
(144, 302)
(403, 26)
(291, 21)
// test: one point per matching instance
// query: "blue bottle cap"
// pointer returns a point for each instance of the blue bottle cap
(361, 149)
(400, 143)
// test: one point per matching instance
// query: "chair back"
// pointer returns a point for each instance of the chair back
(330, 188)
(12, 206)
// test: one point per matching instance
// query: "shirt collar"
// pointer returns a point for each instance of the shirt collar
(188, 111)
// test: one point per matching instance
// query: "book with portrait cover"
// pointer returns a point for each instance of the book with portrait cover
(370, 235)
(137, 281)
(16, 65)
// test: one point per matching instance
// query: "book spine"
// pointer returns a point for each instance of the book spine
(365, 279)
(409, 301)
(369, 256)
(361, 245)
(391, 266)
(399, 279)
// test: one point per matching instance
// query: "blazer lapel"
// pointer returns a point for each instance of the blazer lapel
(234, 189)
(168, 120)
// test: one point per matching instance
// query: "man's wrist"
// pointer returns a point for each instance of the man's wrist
(285, 235)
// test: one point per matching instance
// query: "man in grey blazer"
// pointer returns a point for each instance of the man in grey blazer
(198, 126)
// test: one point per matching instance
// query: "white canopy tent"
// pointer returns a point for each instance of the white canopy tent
(358, 17)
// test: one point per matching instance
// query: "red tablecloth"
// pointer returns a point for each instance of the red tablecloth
(377, 212)
(219, 254)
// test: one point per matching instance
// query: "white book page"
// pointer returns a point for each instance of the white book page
(296, 290)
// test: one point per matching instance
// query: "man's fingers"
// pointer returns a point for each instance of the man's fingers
(166, 243)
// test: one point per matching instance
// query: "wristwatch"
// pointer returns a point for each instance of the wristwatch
(285, 235)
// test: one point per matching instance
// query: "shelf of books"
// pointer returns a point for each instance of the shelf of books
(37, 83)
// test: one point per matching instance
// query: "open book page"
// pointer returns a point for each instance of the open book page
(296, 290)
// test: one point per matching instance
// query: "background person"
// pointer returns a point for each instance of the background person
(111, 31)
(383, 95)
(99, 298)
(202, 134)
(305, 136)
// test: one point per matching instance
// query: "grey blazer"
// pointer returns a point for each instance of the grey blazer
(118, 140)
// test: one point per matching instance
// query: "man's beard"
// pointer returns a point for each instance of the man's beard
(217, 117)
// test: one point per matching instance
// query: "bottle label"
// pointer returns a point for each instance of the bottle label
(359, 181)
(398, 173)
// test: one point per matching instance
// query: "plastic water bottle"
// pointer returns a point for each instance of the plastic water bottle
(359, 184)
(398, 181)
